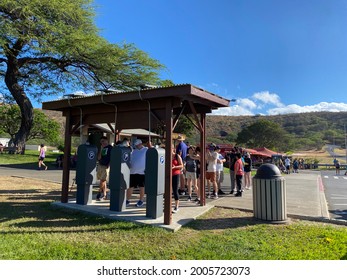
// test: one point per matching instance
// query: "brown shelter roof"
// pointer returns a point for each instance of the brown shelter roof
(130, 109)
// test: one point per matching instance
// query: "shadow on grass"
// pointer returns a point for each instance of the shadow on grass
(223, 223)
(41, 217)
(31, 211)
(31, 195)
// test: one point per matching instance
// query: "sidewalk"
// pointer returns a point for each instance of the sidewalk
(304, 194)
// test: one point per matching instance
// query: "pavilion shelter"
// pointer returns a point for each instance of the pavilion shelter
(154, 109)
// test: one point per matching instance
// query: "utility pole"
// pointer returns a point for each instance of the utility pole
(346, 142)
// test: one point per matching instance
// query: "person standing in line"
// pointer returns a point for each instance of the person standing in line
(181, 150)
(232, 160)
(137, 172)
(238, 170)
(42, 156)
(220, 170)
(296, 165)
(211, 159)
(177, 165)
(104, 157)
(191, 176)
(247, 170)
(287, 164)
(197, 153)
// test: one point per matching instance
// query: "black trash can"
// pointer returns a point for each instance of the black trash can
(269, 194)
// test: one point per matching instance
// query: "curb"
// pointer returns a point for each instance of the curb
(323, 202)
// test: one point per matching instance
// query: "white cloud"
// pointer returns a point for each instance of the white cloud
(266, 103)
(268, 98)
(235, 110)
(246, 103)
(323, 106)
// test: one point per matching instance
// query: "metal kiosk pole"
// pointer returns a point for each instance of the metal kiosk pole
(155, 182)
(85, 173)
(119, 177)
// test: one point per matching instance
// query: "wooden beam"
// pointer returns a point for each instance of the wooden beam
(193, 123)
(168, 164)
(202, 160)
(66, 161)
(195, 114)
(175, 121)
(111, 127)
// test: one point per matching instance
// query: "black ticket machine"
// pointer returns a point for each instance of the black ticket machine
(119, 177)
(85, 172)
(154, 182)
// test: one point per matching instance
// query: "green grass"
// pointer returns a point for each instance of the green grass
(32, 229)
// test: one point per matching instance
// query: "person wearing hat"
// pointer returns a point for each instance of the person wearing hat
(181, 150)
(137, 172)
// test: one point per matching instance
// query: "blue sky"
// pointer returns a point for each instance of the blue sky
(273, 56)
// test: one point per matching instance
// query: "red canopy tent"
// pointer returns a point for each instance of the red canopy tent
(262, 152)
(254, 152)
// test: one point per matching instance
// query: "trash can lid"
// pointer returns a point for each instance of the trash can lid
(268, 171)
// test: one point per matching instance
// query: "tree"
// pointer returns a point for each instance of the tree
(43, 127)
(184, 126)
(47, 46)
(264, 133)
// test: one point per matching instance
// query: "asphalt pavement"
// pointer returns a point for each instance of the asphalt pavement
(335, 188)
(51, 174)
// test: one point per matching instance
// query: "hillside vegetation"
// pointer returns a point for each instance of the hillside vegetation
(308, 130)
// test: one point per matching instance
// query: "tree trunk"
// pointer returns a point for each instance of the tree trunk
(26, 108)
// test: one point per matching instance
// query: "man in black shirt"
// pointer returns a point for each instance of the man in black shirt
(104, 158)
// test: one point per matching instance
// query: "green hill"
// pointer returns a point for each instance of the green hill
(309, 130)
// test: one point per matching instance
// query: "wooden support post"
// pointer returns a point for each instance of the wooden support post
(66, 160)
(202, 159)
(168, 163)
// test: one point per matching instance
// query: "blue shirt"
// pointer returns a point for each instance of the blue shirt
(181, 149)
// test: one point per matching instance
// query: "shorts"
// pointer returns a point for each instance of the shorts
(102, 172)
(41, 158)
(211, 176)
(137, 180)
(191, 175)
